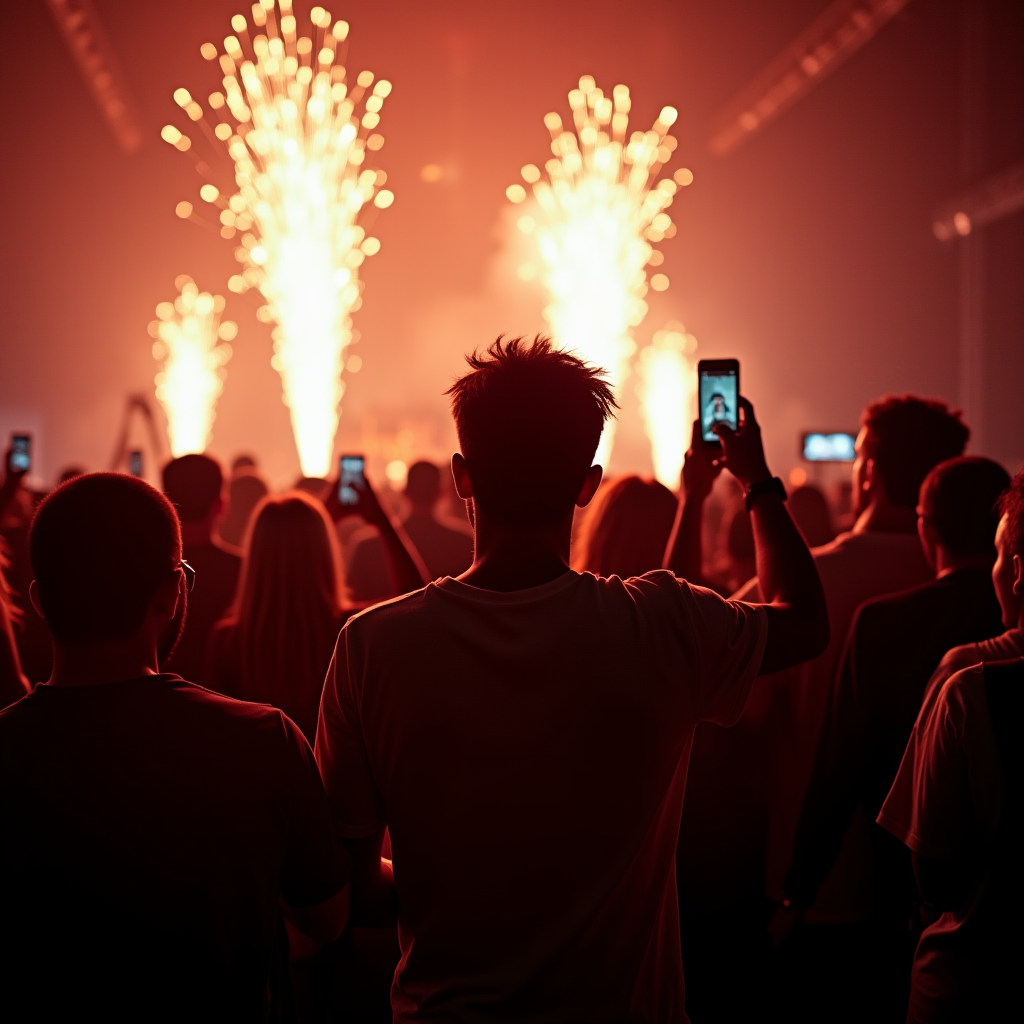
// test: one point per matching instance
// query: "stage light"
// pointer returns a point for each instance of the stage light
(595, 219)
(299, 186)
(190, 345)
(667, 400)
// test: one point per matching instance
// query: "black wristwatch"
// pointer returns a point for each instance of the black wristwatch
(773, 485)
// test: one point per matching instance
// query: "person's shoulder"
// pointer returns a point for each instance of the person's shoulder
(1007, 645)
(384, 613)
(238, 717)
(893, 609)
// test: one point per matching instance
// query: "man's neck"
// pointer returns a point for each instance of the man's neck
(511, 558)
(197, 533)
(105, 661)
(946, 563)
(881, 517)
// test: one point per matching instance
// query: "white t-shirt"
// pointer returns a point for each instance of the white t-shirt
(1004, 647)
(946, 804)
(528, 753)
(854, 568)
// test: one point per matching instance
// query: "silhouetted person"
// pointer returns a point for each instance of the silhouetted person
(194, 484)
(276, 644)
(445, 545)
(894, 646)
(958, 805)
(901, 440)
(151, 827)
(13, 684)
(524, 729)
(1010, 593)
(243, 464)
(810, 511)
(625, 529)
(245, 491)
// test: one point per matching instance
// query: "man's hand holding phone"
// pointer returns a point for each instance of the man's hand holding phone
(351, 494)
(701, 466)
(742, 450)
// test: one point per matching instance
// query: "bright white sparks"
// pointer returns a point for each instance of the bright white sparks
(667, 399)
(298, 144)
(191, 346)
(598, 216)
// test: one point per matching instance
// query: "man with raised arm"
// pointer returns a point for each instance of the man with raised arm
(523, 731)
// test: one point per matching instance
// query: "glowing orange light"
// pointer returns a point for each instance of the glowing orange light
(298, 148)
(191, 348)
(595, 219)
(667, 398)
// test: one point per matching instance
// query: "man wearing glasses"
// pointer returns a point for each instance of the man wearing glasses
(151, 828)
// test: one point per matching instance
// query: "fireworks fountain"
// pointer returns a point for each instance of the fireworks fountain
(596, 219)
(191, 346)
(298, 147)
(667, 398)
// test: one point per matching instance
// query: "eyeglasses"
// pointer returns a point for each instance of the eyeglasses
(190, 573)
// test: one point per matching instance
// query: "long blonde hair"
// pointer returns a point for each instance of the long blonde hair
(626, 530)
(289, 604)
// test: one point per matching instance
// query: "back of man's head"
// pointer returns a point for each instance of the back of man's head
(1011, 505)
(423, 484)
(960, 498)
(907, 437)
(529, 418)
(194, 484)
(100, 546)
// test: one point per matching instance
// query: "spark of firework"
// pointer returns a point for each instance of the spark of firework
(191, 346)
(597, 217)
(667, 398)
(297, 134)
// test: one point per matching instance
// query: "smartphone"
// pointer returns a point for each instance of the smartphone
(21, 452)
(135, 462)
(837, 446)
(718, 395)
(351, 478)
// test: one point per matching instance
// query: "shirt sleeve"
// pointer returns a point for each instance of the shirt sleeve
(730, 637)
(929, 807)
(316, 865)
(341, 750)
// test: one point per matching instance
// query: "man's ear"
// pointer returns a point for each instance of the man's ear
(870, 476)
(33, 596)
(1018, 576)
(460, 474)
(590, 486)
(168, 594)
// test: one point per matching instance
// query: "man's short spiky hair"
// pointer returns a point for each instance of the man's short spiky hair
(908, 437)
(1011, 505)
(529, 418)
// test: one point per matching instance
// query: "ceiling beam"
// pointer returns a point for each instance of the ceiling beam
(998, 196)
(835, 35)
(83, 33)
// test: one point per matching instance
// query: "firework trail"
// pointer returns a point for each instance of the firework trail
(597, 219)
(667, 398)
(298, 136)
(191, 346)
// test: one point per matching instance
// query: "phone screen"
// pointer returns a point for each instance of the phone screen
(834, 447)
(719, 395)
(21, 452)
(351, 479)
(135, 462)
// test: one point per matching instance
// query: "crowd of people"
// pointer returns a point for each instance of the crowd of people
(269, 756)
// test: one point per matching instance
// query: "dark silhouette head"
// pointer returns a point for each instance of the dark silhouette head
(245, 489)
(69, 473)
(194, 484)
(423, 486)
(960, 498)
(906, 437)
(243, 463)
(529, 418)
(626, 528)
(810, 511)
(100, 546)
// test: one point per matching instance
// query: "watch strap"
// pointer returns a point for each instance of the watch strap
(773, 485)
